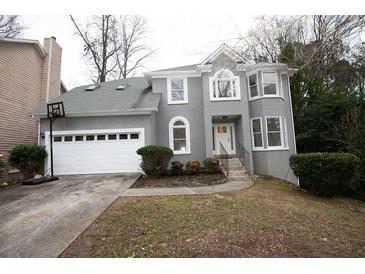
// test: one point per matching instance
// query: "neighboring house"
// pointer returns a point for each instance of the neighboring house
(219, 106)
(29, 76)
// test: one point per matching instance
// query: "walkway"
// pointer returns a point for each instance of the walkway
(164, 191)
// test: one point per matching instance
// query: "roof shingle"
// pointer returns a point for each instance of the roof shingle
(136, 97)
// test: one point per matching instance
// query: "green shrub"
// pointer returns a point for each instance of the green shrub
(177, 168)
(155, 159)
(327, 174)
(2, 163)
(28, 159)
(211, 165)
(192, 167)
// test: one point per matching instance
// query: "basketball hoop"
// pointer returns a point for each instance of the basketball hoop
(54, 111)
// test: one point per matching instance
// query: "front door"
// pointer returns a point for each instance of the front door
(224, 137)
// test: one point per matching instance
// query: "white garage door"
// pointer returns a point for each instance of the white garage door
(98, 151)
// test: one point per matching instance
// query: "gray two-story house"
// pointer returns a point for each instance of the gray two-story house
(221, 106)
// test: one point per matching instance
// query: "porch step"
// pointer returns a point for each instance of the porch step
(237, 172)
(238, 178)
(234, 160)
(235, 165)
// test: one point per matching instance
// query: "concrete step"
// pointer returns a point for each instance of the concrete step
(237, 173)
(238, 178)
(234, 161)
(235, 167)
(238, 168)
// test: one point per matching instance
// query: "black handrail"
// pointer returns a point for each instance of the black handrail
(224, 158)
(243, 155)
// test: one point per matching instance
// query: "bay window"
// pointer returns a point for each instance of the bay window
(256, 132)
(274, 131)
(263, 84)
(270, 83)
(253, 86)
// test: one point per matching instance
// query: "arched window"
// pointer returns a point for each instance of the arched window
(179, 135)
(224, 86)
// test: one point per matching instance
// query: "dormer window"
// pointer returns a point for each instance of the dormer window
(177, 91)
(224, 86)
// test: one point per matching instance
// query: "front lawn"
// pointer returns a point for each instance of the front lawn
(270, 219)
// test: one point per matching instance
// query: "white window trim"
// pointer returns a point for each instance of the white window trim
(252, 134)
(284, 145)
(237, 86)
(261, 95)
(186, 94)
(187, 132)
(276, 84)
(257, 85)
(271, 149)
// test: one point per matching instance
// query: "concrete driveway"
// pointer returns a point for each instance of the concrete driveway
(42, 220)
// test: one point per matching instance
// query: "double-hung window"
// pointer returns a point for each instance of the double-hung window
(263, 84)
(177, 91)
(256, 131)
(275, 131)
(224, 86)
(270, 84)
(253, 86)
(179, 135)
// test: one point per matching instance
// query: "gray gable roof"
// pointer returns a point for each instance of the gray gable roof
(136, 98)
(182, 68)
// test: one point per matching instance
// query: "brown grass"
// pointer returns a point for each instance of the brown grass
(270, 219)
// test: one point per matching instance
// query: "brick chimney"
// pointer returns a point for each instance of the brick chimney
(51, 70)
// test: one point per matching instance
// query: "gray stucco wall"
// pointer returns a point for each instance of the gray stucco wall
(104, 122)
(192, 111)
(275, 163)
(200, 110)
(226, 108)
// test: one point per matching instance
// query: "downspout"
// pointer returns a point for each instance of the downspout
(39, 132)
(292, 117)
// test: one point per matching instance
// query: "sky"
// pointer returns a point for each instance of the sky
(177, 40)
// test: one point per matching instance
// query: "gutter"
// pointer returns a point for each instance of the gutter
(126, 112)
(36, 43)
(163, 74)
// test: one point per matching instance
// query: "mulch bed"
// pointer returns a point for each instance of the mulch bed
(182, 180)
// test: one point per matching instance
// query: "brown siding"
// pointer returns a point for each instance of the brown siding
(54, 52)
(23, 86)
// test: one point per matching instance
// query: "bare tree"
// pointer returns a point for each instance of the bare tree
(133, 50)
(113, 45)
(331, 33)
(264, 42)
(317, 37)
(99, 37)
(10, 26)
